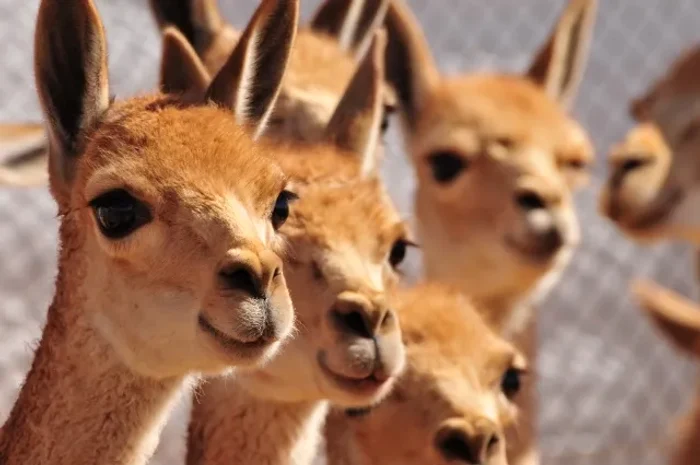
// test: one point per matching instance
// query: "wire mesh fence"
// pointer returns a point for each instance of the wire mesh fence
(609, 385)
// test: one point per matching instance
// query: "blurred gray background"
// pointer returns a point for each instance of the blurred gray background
(609, 385)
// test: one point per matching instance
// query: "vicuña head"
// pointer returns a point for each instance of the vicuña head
(345, 241)
(169, 265)
(454, 400)
(323, 61)
(496, 157)
(170, 226)
(654, 182)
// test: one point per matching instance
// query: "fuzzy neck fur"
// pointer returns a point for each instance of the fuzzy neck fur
(230, 426)
(79, 403)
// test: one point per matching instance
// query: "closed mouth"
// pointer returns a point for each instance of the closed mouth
(533, 251)
(658, 214)
(230, 344)
(367, 386)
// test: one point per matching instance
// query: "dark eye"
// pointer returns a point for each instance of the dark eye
(280, 211)
(388, 111)
(510, 384)
(398, 252)
(446, 166)
(118, 213)
(357, 412)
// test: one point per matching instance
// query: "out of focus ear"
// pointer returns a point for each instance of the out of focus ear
(356, 123)
(199, 21)
(250, 80)
(675, 317)
(181, 70)
(410, 67)
(351, 22)
(558, 67)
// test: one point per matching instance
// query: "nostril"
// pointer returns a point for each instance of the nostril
(493, 442)
(240, 279)
(454, 446)
(631, 165)
(530, 201)
(352, 322)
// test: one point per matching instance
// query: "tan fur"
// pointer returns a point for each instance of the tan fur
(125, 326)
(654, 194)
(678, 320)
(319, 69)
(505, 220)
(340, 237)
(316, 77)
(451, 383)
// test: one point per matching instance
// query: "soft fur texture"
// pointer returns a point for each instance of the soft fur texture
(320, 68)
(451, 387)
(652, 192)
(124, 330)
(502, 226)
(348, 347)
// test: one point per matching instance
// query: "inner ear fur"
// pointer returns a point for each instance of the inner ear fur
(181, 70)
(351, 22)
(70, 47)
(410, 68)
(559, 65)
(356, 122)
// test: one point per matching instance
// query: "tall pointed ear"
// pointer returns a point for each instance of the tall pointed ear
(250, 80)
(674, 316)
(356, 122)
(559, 65)
(410, 68)
(198, 20)
(351, 22)
(70, 65)
(181, 70)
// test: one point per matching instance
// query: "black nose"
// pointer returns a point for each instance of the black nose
(529, 200)
(352, 321)
(456, 445)
(550, 240)
(240, 278)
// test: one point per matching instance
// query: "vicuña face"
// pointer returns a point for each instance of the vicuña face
(178, 212)
(346, 241)
(496, 160)
(654, 182)
(453, 401)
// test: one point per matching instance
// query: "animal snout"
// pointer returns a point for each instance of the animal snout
(630, 163)
(251, 273)
(360, 316)
(461, 442)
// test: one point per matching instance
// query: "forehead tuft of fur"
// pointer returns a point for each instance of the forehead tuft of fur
(357, 212)
(170, 145)
(438, 320)
(512, 105)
